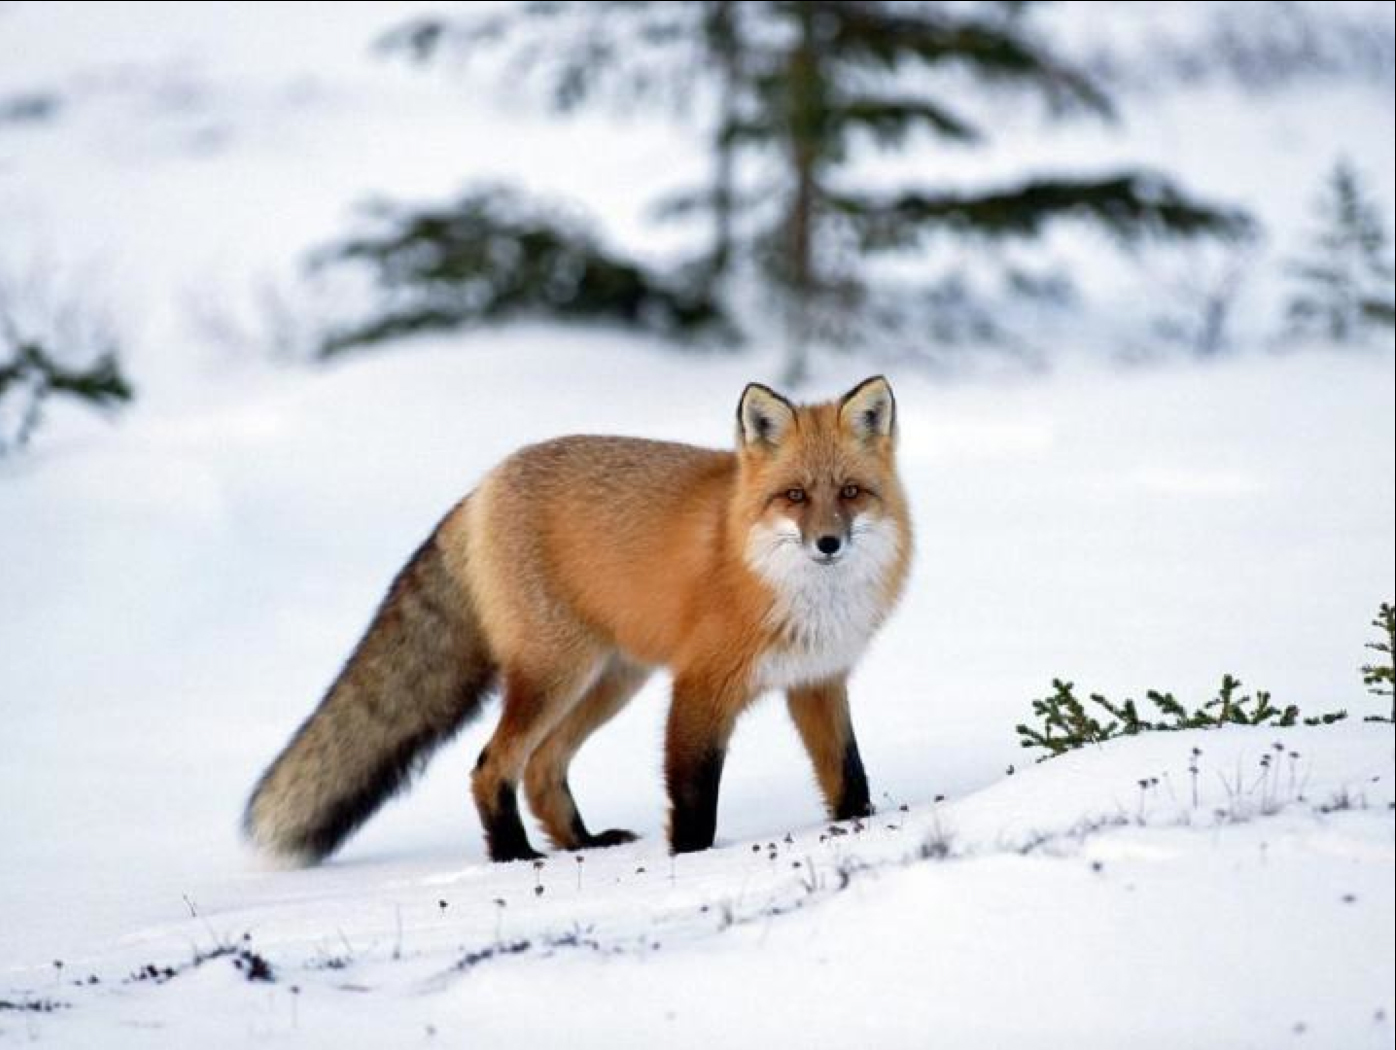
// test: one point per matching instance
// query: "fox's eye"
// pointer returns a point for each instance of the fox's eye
(850, 492)
(795, 495)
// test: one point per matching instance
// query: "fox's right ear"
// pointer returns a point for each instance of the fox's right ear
(764, 418)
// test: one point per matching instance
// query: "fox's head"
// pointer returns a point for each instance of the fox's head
(819, 491)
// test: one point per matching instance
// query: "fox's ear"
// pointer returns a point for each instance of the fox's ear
(764, 418)
(869, 410)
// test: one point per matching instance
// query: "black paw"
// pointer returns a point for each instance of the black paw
(609, 837)
(524, 852)
(690, 843)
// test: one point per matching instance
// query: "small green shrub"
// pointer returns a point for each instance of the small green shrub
(1380, 678)
(1064, 721)
(1067, 722)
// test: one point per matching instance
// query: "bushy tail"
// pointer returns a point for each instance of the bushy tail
(419, 673)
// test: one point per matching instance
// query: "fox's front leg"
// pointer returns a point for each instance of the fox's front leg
(821, 715)
(701, 717)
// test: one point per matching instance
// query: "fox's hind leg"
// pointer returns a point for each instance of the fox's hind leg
(545, 779)
(534, 702)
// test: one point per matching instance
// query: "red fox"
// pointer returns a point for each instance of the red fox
(580, 565)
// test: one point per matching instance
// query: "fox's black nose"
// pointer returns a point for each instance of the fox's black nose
(828, 544)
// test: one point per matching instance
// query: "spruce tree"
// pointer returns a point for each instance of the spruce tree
(1345, 284)
(791, 89)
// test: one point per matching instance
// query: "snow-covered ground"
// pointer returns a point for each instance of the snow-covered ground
(177, 589)
(1065, 905)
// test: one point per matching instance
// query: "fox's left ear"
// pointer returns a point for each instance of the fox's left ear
(869, 410)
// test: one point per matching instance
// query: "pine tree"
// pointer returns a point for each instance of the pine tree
(1346, 282)
(792, 88)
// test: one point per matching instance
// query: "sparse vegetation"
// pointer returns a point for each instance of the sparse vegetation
(1380, 678)
(51, 348)
(939, 843)
(1066, 722)
(252, 964)
(32, 1006)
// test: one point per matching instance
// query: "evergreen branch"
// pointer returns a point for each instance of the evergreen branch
(493, 255)
(572, 49)
(1380, 677)
(1169, 705)
(889, 119)
(37, 375)
(1326, 719)
(1127, 204)
(889, 34)
(101, 383)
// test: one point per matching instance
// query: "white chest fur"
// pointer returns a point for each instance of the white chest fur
(824, 614)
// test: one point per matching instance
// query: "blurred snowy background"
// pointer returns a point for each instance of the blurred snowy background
(279, 282)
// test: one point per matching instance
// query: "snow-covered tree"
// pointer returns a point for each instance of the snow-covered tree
(1345, 282)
